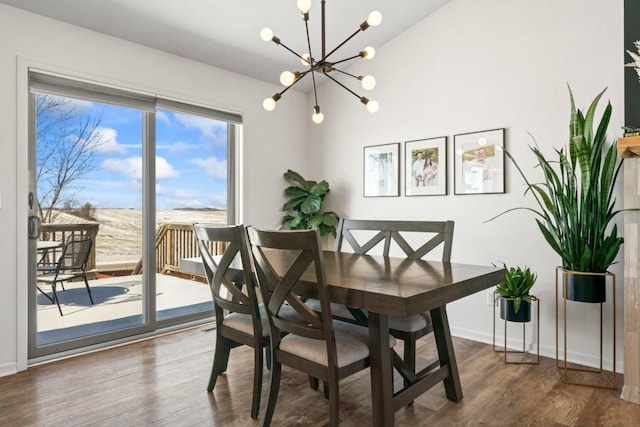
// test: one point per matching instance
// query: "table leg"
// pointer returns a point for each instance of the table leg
(381, 370)
(446, 354)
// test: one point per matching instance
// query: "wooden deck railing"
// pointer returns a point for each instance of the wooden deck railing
(175, 241)
(60, 232)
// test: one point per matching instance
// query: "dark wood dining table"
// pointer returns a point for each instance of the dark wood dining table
(387, 286)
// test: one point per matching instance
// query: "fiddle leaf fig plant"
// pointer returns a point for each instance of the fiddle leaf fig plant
(303, 205)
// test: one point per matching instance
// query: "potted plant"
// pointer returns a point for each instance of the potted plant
(576, 203)
(515, 301)
(304, 202)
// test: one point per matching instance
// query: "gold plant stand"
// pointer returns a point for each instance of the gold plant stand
(568, 373)
(527, 358)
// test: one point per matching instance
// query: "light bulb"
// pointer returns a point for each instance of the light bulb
(374, 19)
(266, 34)
(304, 5)
(482, 141)
(372, 106)
(306, 59)
(317, 117)
(287, 78)
(368, 52)
(368, 82)
(269, 104)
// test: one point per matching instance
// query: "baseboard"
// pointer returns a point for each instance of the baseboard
(8, 369)
(545, 351)
(630, 394)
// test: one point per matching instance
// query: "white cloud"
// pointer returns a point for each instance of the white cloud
(163, 117)
(209, 128)
(109, 138)
(213, 167)
(131, 167)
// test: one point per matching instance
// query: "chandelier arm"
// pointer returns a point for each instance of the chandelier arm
(302, 75)
(346, 59)
(291, 50)
(344, 72)
(340, 45)
(306, 25)
(315, 93)
(346, 88)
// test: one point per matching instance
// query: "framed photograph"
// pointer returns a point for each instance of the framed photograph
(382, 170)
(479, 162)
(425, 167)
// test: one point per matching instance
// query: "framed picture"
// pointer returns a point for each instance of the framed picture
(382, 170)
(479, 162)
(425, 167)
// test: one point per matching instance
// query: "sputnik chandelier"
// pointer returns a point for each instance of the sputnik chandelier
(323, 65)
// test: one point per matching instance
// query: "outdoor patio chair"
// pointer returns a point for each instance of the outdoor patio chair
(71, 264)
(309, 341)
(436, 233)
(234, 293)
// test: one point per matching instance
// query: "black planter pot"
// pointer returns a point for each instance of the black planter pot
(523, 314)
(586, 287)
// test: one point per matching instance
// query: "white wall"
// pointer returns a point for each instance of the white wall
(33, 40)
(476, 65)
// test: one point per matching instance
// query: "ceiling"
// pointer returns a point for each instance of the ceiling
(226, 33)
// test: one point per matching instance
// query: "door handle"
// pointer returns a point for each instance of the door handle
(35, 226)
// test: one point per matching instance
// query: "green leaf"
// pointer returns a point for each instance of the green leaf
(294, 204)
(320, 188)
(295, 192)
(311, 204)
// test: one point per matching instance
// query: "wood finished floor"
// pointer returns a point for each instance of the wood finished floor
(162, 382)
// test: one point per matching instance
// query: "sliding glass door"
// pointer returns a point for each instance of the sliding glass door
(131, 174)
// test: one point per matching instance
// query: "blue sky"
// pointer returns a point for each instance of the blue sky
(191, 160)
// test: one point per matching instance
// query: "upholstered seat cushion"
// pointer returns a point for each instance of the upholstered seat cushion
(352, 343)
(243, 323)
(410, 324)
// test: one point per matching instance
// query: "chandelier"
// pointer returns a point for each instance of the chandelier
(324, 65)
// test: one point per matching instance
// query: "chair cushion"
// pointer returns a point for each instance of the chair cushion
(352, 342)
(243, 323)
(410, 324)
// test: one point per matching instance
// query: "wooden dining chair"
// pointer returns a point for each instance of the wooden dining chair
(365, 235)
(312, 342)
(243, 323)
(72, 264)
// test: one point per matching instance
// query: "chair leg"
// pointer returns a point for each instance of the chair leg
(86, 283)
(267, 356)
(45, 294)
(257, 382)
(220, 360)
(334, 402)
(313, 383)
(274, 387)
(410, 354)
(55, 297)
(410, 357)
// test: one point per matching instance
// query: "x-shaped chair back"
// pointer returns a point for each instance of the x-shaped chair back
(278, 283)
(386, 232)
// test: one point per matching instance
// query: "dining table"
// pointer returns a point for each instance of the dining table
(400, 287)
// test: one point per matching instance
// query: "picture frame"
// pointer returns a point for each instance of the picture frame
(381, 170)
(479, 162)
(425, 170)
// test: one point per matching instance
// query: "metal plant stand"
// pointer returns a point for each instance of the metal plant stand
(527, 358)
(583, 375)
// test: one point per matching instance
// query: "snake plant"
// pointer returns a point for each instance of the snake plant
(576, 202)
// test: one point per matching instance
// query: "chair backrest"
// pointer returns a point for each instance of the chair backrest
(439, 232)
(226, 285)
(281, 258)
(75, 253)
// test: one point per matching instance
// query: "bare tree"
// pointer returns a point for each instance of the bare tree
(67, 144)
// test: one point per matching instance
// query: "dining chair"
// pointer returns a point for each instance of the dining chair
(365, 235)
(239, 320)
(71, 264)
(314, 343)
